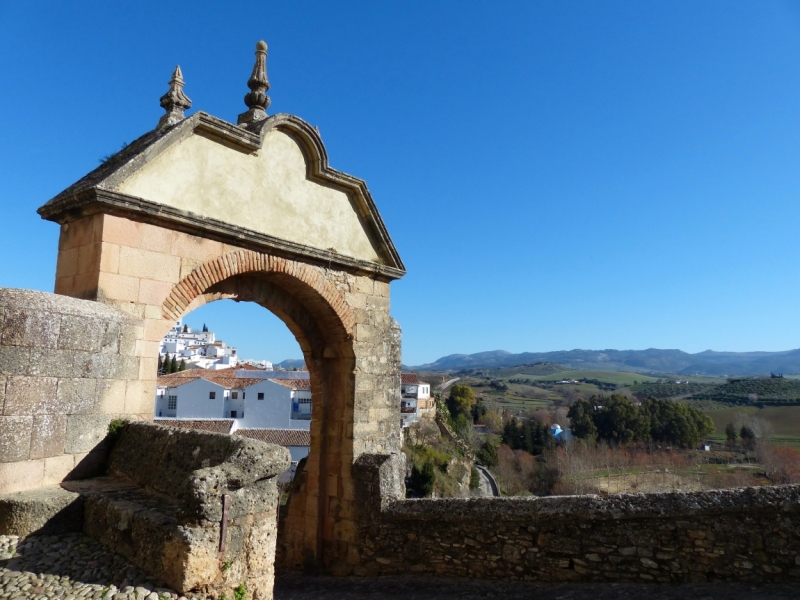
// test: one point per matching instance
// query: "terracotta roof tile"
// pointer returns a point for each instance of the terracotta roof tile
(213, 425)
(409, 378)
(229, 381)
(281, 437)
(224, 377)
(179, 378)
(295, 384)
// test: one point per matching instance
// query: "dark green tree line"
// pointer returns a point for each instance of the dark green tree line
(616, 420)
(530, 435)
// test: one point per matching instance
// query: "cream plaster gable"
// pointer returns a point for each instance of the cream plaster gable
(267, 191)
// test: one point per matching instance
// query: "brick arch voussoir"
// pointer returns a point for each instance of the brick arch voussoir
(242, 262)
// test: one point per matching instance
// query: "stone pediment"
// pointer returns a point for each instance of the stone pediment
(270, 189)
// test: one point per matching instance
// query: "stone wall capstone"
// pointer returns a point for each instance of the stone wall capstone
(67, 368)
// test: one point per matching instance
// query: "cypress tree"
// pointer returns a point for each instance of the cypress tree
(182, 366)
(173, 365)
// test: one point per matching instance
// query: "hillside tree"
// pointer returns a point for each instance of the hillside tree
(461, 401)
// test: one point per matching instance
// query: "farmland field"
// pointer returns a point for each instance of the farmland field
(616, 377)
(754, 389)
(785, 421)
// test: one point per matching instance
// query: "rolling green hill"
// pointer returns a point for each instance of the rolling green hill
(615, 377)
(757, 390)
(670, 390)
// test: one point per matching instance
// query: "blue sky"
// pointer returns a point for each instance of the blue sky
(555, 175)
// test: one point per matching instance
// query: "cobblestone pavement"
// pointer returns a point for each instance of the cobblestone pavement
(70, 567)
(293, 586)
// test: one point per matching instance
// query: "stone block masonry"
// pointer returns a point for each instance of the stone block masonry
(750, 535)
(67, 368)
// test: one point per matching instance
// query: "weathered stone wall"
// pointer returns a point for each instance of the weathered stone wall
(750, 534)
(67, 367)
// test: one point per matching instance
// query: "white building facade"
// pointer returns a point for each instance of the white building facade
(253, 402)
(415, 399)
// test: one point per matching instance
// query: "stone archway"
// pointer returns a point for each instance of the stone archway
(322, 321)
(199, 209)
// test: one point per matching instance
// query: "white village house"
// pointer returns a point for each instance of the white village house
(273, 406)
(415, 399)
(272, 402)
(201, 349)
(247, 396)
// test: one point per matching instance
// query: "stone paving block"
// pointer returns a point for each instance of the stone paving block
(111, 395)
(15, 438)
(85, 432)
(79, 333)
(99, 366)
(117, 287)
(134, 262)
(121, 231)
(58, 468)
(67, 265)
(21, 475)
(78, 396)
(54, 363)
(30, 329)
(89, 464)
(129, 367)
(153, 292)
(49, 433)
(31, 396)
(89, 258)
(109, 337)
(109, 258)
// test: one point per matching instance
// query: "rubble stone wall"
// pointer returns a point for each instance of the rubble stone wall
(67, 368)
(749, 534)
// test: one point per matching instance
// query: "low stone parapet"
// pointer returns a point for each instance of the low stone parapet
(747, 534)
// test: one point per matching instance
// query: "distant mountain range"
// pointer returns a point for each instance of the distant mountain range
(292, 363)
(638, 361)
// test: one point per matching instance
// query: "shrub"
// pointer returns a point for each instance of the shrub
(487, 455)
(474, 479)
(422, 480)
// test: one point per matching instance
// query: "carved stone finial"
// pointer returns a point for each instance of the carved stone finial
(174, 101)
(257, 100)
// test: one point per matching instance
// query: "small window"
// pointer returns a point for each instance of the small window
(172, 402)
(233, 414)
(243, 393)
(235, 395)
(212, 395)
(260, 395)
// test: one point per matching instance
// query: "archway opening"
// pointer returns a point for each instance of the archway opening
(312, 311)
(233, 367)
